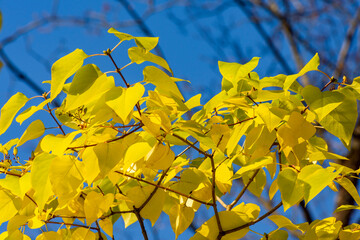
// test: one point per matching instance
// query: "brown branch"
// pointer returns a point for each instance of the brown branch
(231, 205)
(239, 122)
(108, 53)
(11, 173)
(109, 141)
(98, 230)
(141, 222)
(141, 23)
(71, 224)
(19, 74)
(192, 145)
(261, 30)
(344, 51)
(165, 188)
(27, 195)
(53, 117)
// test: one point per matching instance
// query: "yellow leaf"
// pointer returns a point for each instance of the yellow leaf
(147, 43)
(297, 130)
(9, 206)
(65, 178)
(83, 234)
(283, 222)
(107, 226)
(135, 153)
(153, 208)
(63, 68)
(164, 84)
(57, 145)
(9, 110)
(96, 205)
(253, 165)
(258, 142)
(108, 156)
(49, 236)
(140, 55)
(160, 157)
(123, 100)
(40, 178)
(30, 111)
(34, 130)
(90, 167)
(180, 218)
(88, 85)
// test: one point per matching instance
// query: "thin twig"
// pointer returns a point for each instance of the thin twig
(231, 205)
(192, 145)
(109, 141)
(71, 224)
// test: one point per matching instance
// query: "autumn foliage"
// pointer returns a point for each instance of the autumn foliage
(121, 150)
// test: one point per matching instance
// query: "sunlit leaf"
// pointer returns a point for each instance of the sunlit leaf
(63, 68)
(35, 129)
(9, 110)
(123, 100)
(140, 55)
(312, 65)
(164, 84)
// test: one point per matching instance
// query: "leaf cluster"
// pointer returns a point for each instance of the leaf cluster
(135, 151)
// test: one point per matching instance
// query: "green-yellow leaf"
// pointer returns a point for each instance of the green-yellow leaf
(164, 84)
(49, 236)
(315, 178)
(147, 43)
(253, 165)
(283, 222)
(234, 71)
(341, 121)
(312, 65)
(351, 232)
(322, 103)
(290, 188)
(34, 130)
(327, 228)
(108, 155)
(229, 220)
(9, 110)
(139, 55)
(63, 68)
(12, 184)
(350, 188)
(88, 85)
(30, 111)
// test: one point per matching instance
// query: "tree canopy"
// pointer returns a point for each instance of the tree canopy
(135, 151)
